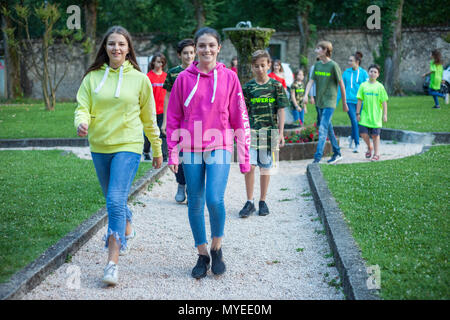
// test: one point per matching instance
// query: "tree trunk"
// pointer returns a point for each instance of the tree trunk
(90, 13)
(304, 39)
(199, 13)
(393, 60)
(12, 62)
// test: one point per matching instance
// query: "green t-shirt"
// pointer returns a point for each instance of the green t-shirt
(263, 102)
(326, 77)
(299, 90)
(436, 75)
(172, 75)
(373, 95)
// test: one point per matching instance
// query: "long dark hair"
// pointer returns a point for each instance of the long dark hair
(151, 65)
(102, 57)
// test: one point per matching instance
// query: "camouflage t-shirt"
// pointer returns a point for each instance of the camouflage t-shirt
(299, 89)
(172, 75)
(263, 102)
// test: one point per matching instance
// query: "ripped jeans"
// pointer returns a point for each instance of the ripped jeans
(115, 172)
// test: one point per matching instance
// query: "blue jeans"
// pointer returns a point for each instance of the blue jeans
(299, 115)
(326, 129)
(206, 175)
(435, 94)
(354, 122)
(115, 172)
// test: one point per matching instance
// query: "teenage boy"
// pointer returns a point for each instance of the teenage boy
(186, 53)
(327, 77)
(265, 99)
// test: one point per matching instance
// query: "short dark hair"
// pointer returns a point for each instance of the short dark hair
(184, 43)
(207, 30)
(157, 55)
(376, 66)
(260, 54)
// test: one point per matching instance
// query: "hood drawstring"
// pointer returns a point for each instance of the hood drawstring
(188, 100)
(351, 79)
(215, 86)
(194, 90)
(105, 76)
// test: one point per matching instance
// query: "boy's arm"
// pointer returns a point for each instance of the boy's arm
(308, 87)
(281, 117)
(358, 110)
(385, 111)
(344, 98)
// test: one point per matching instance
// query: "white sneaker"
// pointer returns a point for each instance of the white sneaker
(350, 142)
(124, 252)
(356, 149)
(446, 98)
(111, 274)
(131, 236)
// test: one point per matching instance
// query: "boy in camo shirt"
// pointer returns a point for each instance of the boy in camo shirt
(186, 52)
(265, 99)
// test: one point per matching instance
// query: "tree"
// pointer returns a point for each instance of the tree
(48, 15)
(90, 14)
(12, 54)
(199, 13)
(393, 56)
(304, 8)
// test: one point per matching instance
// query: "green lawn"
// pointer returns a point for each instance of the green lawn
(400, 221)
(43, 196)
(407, 113)
(32, 121)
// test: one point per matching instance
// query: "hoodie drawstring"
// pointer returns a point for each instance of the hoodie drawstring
(215, 86)
(119, 83)
(105, 76)
(351, 79)
(188, 100)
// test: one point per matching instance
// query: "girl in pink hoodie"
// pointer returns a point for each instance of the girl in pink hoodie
(206, 113)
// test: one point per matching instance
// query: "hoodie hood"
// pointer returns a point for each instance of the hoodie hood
(125, 67)
(193, 69)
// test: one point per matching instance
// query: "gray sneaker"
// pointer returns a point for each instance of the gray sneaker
(181, 193)
(111, 274)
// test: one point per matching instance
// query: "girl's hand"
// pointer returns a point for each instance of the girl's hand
(173, 168)
(82, 130)
(306, 110)
(345, 106)
(305, 100)
(299, 109)
(385, 118)
(157, 162)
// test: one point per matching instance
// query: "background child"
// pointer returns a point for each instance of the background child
(234, 64)
(277, 72)
(375, 97)
(265, 99)
(297, 92)
(186, 52)
(436, 72)
(157, 77)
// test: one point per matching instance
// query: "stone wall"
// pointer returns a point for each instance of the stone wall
(416, 47)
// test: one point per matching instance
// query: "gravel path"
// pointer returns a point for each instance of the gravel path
(284, 255)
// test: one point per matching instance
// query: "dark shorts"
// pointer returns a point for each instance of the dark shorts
(369, 131)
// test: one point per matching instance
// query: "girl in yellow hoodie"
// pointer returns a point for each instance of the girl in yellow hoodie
(115, 103)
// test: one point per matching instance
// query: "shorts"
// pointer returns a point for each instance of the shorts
(369, 131)
(261, 158)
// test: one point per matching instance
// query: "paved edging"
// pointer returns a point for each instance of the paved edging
(34, 273)
(347, 255)
(44, 142)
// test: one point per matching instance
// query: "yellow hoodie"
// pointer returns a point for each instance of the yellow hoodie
(118, 105)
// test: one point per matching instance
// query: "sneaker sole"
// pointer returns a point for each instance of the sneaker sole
(333, 162)
(202, 275)
(111, 282)
(246, 216)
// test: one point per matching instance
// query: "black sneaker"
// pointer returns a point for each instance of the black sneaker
(263, 209)
(247, 210)
(335, 158)
(217, 265)
(436, 107)
(201, 267)
(316, 161)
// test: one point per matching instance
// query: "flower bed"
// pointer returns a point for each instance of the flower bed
(305, 134)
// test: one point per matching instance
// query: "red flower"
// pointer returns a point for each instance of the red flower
(297, 141)
(290, 141)
(311, 135)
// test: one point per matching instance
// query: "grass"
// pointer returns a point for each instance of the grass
(32, 121)
(407, 113)
(400, 221)
(43, 196)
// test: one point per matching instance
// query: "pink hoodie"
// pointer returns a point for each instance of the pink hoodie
(206, 112)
